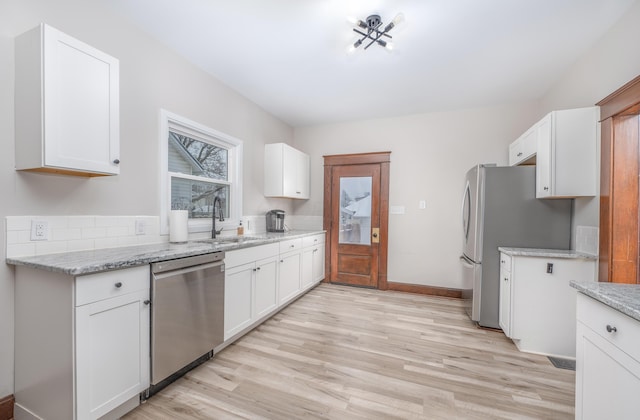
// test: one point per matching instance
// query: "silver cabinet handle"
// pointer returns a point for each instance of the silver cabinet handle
(118, 285)
(611, 329)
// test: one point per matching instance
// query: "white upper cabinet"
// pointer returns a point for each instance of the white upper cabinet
(286, 172)
(523, 150)
(567, 153)
(66, 105)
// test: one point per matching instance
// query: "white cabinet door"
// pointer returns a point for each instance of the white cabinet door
(504, 319)
(266, 287)
(286, 172)
(238, 298)
(544, 159)
(567, 153)
(318, 263)
(289, 276)
(112, 353)
(307, 268)
(67, 105)
(522, 150)
(607, 362)
(607, 379)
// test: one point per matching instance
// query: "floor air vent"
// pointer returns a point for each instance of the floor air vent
(562, 363)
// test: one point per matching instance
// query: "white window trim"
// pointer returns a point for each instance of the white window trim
(174, 122)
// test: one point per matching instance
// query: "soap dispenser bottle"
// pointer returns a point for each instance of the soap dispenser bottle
(240, 229)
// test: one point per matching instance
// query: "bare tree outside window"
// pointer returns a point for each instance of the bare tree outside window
(206, 161)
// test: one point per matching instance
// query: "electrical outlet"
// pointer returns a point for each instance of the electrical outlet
(39, 230)
(141, 227)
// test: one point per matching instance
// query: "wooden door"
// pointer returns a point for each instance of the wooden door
(356, 213)
(356, 216)
(619, 186)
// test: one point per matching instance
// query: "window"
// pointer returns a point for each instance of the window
(199, 165)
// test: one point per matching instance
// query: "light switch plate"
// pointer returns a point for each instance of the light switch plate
(141, 227)
(39, 230)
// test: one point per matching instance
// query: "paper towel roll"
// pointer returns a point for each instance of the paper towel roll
(178, 226)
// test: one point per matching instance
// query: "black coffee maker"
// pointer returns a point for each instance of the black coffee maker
(275, 221)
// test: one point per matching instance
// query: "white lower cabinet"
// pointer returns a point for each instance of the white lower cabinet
(537, 304)
(289, 276)
(312, 260)
(607, 362)
(82, 343)
(250, 287)
(266, 287)
(261, 280)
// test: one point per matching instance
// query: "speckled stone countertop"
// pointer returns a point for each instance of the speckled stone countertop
(622, 297)
(547, 253)
(86, 262)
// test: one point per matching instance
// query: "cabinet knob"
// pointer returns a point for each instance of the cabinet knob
(546, 188)
(116, 161)
(298, 192)
(281, 261)
(506, 279)
(611, 329)
(118, 285)
(146, 302)
(292, 246)
(255, 269)
(258, 268)
(519, 154)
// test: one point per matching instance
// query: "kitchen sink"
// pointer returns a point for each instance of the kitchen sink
(228, 240)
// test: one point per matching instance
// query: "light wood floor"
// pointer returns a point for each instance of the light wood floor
(349, 353)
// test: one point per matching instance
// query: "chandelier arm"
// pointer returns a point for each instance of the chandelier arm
(378, 36)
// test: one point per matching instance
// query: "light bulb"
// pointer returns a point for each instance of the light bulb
(389, 46)
(398, 19)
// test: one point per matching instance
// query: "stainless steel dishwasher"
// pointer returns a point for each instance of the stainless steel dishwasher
(187, 312)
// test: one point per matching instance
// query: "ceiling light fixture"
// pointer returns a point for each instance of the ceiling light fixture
(372, 25)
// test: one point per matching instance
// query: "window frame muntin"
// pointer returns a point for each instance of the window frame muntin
(181, 125)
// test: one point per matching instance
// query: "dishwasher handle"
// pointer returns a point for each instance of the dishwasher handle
(181, 263)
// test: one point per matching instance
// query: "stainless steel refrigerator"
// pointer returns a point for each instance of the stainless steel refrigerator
(500, 209)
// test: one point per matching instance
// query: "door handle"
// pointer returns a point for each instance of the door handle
(375, 235)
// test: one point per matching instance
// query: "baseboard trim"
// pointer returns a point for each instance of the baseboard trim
(425, 290)
(6, 407)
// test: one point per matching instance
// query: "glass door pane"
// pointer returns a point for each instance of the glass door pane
(355, 210)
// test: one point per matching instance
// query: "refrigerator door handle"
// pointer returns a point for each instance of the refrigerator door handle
(466, 261)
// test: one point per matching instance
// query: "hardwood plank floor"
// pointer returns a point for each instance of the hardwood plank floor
(348, 353)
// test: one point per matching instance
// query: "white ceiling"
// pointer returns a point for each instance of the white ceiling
(290, 56)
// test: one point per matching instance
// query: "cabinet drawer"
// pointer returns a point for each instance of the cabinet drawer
(290, 245)
(94, 287)
(597, 316)
(238, 257)
(505, 262)
(313, 240)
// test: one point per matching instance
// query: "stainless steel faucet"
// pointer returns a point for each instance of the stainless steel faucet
(215, 232)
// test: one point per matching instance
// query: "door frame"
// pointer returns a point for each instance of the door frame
(384, 160)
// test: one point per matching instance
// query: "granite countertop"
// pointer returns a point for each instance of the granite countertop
(547, 253)
(622, 297)
(86, 262)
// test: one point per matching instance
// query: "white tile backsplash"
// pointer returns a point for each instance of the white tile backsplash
(587, 239)
(79, 233)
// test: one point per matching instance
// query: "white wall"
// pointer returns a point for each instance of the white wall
(608, 65)
(430, 154)
(152, 77)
